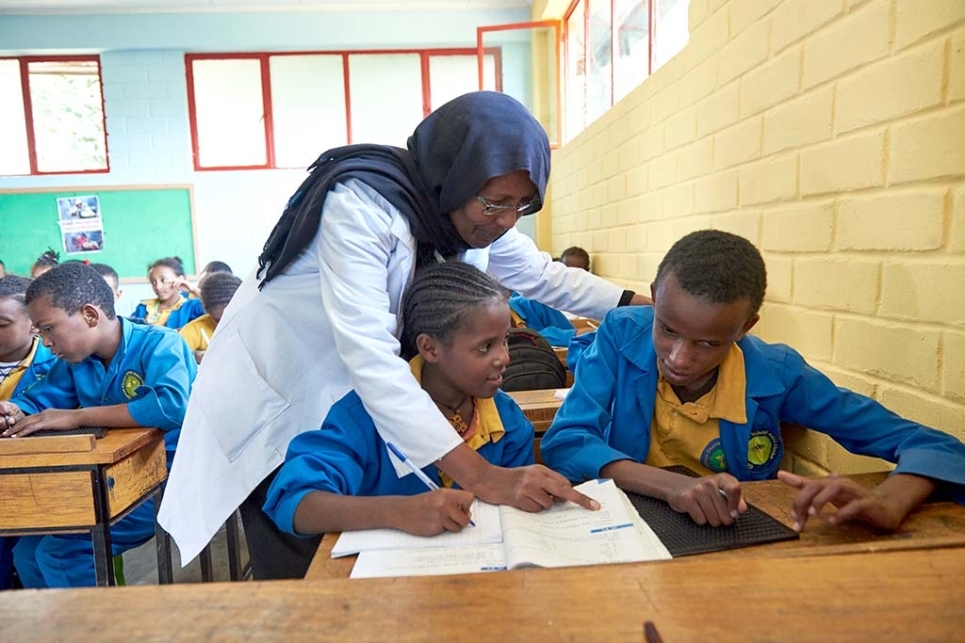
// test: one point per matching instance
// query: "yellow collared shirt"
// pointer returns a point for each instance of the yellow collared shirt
(689, 433)
(9, 383)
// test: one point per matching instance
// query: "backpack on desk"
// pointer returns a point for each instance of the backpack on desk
(532, 363)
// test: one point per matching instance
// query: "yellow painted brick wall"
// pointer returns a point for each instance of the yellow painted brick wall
(831, 133)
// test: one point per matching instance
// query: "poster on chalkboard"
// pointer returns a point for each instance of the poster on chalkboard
(81, 226)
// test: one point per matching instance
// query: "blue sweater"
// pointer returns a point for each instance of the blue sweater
(348, 457)
(548, 322)
(606, 416)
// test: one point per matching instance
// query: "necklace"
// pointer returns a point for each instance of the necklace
(456, 419)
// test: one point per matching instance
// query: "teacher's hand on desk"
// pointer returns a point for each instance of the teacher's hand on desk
(884, 507)
(531, 488)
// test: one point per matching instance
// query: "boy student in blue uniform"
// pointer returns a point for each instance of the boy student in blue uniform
(455, 322)
(547, 321)
(170, 307)
(683, 383)
(110, 372)
(24, 360)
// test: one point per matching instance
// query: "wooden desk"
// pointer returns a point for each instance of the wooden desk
(932, 525)
(894, 596)
(538, 406)
(48, 493)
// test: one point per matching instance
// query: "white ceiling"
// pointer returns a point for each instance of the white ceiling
(185, 6)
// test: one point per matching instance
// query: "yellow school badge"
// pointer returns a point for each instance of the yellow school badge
(761, 449)
(131, 382)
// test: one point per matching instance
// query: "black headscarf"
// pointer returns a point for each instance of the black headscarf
(451, 154)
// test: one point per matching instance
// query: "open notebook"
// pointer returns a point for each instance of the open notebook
(507, 538)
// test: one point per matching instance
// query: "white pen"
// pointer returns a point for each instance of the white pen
(419, 473)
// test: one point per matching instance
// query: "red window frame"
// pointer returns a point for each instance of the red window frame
(268, 123)
(24, 62)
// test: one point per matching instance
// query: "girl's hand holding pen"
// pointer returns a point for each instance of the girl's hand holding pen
(434, 512)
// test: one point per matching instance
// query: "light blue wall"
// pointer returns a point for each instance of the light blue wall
(145, 97)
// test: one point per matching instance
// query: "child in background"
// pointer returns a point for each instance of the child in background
(216, 291)
(212, 267)
(170, 307)
(24, 360)
(110, 372)
(455, 322)
(576, 257)
(45, 262)
(110, 276)
(683, 383)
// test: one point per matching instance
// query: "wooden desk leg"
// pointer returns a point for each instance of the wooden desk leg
(101, 532)
(231, 535)
(162, 542)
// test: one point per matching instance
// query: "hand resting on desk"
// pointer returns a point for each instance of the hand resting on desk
(884, 507)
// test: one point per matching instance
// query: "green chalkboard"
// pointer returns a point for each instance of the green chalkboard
(139, 223)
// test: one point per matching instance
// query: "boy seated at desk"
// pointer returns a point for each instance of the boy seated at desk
(110, 372)
(455, 322)
(24, 360)
(683, 383)
(217, 289)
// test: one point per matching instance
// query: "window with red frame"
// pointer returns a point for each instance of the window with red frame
(611, 47)
(260, 110)
(52, 116)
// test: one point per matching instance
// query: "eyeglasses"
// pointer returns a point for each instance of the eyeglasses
(494, 209)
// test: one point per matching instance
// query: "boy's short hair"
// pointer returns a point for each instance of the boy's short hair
(217, 266)
(717, 266)
(71, 286)
(218, 288)
(107, 272)
(14, 287)
(576, 252)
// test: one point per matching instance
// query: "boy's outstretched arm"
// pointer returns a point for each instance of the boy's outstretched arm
(425, 514)
(714, 500)
(884, 507)
(116, 415)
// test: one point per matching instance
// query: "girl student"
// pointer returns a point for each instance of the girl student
(341, 477)
(170, 307)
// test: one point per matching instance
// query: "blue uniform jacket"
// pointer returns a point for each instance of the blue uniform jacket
(152, 372)
(347, 456)
(189, 310)
(547, 321)
(606, 416)
(42, 362)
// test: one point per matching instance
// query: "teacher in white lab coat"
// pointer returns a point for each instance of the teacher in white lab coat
(320, 316)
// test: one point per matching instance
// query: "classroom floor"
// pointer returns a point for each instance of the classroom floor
(140, 564)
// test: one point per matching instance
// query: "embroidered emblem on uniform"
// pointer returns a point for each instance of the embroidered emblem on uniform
(761, 448)
(131, 382)
(712, 456)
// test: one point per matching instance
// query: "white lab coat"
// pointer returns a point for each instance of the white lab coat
(282, 356)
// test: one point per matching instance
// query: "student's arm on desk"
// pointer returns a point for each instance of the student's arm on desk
(116, 415)
(714, 500)
(425, 514)
(885, 506)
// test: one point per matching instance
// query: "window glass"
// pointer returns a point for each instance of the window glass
(631, 26)
(671, 31)
(14, 156)
(67, 108)
(599, 97)
(575, 77)
(308, 107)
(386, 97)
(455, 75)
(229, 111)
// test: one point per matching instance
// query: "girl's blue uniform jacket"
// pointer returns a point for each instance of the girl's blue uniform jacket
(151, 372)
(547, 321)
(347, 456)
(189, 310)
(606, 416)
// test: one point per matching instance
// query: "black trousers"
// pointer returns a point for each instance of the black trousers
(274, 554)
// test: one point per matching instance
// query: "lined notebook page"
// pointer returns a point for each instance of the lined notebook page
(487, 530)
